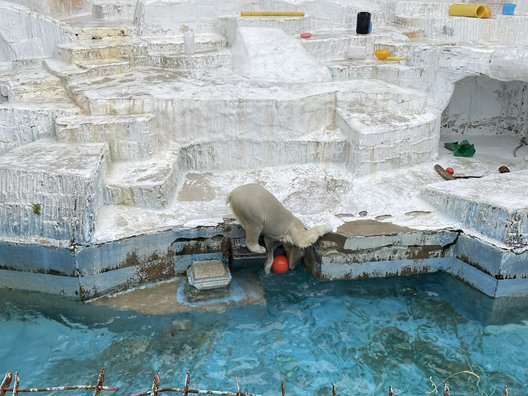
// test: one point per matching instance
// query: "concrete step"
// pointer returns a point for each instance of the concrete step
(172, 45)
(224, 106)
(328, 146)
(328, 45)
(399, 48)
(22, 123)
(494, 205)
(382, 96)
(135, 50)
(114, 9)
(50, 199)
(32, 84)
(123, 48)
(85, 70)
(96, 32)
(129, 137)
(388, 133)
(434, 21)
(198, 60)
(149, 183)
(88, 27)
(397, 73)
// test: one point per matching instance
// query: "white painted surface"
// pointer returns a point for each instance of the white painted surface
(331, 136)
(25, 34)
(270, 54)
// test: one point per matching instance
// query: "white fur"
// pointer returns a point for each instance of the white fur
(260, 213)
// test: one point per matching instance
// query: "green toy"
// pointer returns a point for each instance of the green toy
(462, 149)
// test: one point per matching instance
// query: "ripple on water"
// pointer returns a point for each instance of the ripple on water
(361, 336)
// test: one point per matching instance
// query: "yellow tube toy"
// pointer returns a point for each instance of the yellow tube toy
(273, 13)
(487, 12)
(467, 10)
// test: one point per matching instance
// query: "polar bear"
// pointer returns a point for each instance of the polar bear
(259, 212)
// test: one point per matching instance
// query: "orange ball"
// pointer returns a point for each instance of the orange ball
(280, 264)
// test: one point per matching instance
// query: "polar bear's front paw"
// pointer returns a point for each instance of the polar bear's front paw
(257, 249)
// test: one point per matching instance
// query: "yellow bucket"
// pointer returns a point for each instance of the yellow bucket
(468, 10)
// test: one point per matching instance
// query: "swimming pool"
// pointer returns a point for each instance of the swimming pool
(361, 336)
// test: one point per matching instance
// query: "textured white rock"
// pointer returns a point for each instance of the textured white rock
(484, 106)
(150, 183)
(165, 17)
(290, 25)
(270, 54)
(43, 197)
(229, 128)
(22, 123)
(509, 64)
(25, 34)
(128, 137)
(495, 205)
(118, 9)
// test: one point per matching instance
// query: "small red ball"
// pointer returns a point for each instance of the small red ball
(280, 264)
(450, 170)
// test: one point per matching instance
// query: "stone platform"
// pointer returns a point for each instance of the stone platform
(118, 147)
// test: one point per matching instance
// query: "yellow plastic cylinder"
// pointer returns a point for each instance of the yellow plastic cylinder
(467, 10)
(487, 12)
(273, 13)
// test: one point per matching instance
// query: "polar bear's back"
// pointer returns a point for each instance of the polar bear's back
(253, 205)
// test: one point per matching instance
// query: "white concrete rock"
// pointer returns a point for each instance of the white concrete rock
(25, 34)
(51, 190)
(272, 55)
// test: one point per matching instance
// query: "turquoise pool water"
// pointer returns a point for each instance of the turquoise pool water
(361, 336)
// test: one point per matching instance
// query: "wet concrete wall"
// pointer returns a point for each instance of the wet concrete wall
(358, 250)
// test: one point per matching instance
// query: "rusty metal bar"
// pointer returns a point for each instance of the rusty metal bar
(187, 383)
(391, 392)
(283, 390)
(447, 391)
(100, 380)
(334, 392)
(17, 382)
(4, 387)
(238, 386)
(505, 391)
(155, 385)
(64, 388)
(5, 383)
(197, 392)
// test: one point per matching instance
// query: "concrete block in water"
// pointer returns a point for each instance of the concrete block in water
(206, 275)
(367, 248)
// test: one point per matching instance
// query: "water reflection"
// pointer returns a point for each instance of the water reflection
(360, 335)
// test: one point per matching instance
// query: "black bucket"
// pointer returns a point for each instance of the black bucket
(363, 23)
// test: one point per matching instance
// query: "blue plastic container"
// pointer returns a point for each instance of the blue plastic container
(508, 8)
